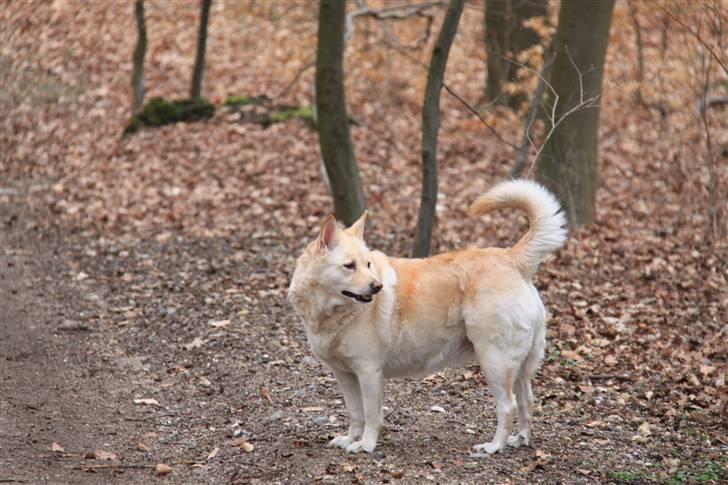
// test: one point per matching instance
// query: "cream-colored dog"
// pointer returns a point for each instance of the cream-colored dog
(369, 317)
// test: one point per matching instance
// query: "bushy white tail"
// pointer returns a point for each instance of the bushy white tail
(546, 232)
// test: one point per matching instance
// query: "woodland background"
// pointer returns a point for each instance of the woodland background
(144, 319)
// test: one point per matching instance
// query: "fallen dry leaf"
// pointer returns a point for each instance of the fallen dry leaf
(571, 355)
(147, 402)
(213, 453)
(100, 455)
(196, 343)
(247, 446)
(163, 469)
(265, 394)
(141, 446)
(56, 447)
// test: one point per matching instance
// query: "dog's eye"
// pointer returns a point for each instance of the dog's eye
(351, 265)
(369, 264)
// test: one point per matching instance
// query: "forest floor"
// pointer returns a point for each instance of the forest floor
(143, 279)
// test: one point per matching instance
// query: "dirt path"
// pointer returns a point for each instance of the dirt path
(53, 387)
(200, 330)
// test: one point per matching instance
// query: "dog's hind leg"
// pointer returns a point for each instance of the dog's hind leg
(524, 399)
(500, 346)
(500, 383)
(524, 393)
(349, 385)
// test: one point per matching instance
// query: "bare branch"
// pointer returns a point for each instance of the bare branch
(295, 79)
(531, 112)
(697, 35)
(459, 98)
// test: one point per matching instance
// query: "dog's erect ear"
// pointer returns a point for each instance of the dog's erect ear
(328, 235)
(357, 229)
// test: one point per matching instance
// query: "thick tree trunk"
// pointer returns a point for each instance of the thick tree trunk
(568, 162)
(137, 75)
(505, 37)
(430, 127)
(199, 68)
(333, 126)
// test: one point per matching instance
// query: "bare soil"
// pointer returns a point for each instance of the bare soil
(201, 327)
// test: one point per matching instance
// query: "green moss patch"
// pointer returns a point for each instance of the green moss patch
(158, 112)
(246, 100)
(303, 113)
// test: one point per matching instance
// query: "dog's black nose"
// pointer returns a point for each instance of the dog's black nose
(375, 287)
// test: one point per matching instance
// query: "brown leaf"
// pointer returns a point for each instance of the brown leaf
(264, 394)
(104, 455)
(141, 446)
(213, 453)
(247, 447)
(163, 469)
(571, 355)
(56, 447)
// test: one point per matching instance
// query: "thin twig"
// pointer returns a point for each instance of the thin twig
(110, 465)
(531, 112)
(696, 35)
(295, 79)
(459, 98)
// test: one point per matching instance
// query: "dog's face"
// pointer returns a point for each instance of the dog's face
(337, 264)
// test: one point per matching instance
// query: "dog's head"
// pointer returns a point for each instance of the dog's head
(336, 268)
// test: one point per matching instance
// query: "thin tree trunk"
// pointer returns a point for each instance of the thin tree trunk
(430, 127)
(505, 37)
(137, 75)
(568, 162)
(333, 126)
(199, 68)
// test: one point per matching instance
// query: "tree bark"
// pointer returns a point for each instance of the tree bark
(333, 126)
(568, 162)
(199, 68)
(430, 127)
(137, 75)
(505, 37)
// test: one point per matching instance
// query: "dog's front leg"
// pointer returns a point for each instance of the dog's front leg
(371, 384)
(349, 385)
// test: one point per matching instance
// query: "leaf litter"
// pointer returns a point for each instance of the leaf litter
(184, 231)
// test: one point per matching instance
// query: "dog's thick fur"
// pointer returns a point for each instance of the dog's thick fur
(371, 317)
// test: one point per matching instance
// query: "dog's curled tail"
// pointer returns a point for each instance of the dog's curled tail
(546, 232)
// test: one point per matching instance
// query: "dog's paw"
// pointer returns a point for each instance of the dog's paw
(361, 445)
(517, 440)
(341, 441)
(489, 448)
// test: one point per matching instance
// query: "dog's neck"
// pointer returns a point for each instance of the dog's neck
(320, 312)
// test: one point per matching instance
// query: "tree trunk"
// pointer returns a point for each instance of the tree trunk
(137, 75)
(199, 68)
(333, 126)
(505, 37)
(430, 127)
(568, 162)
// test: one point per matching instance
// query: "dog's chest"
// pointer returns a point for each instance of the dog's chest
(321, 345)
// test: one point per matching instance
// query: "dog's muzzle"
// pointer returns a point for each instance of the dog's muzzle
(359, 298)
(374, 288)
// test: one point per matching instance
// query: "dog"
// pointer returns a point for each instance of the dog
(369, 317)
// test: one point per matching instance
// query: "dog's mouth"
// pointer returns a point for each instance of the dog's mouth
(359, 298)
